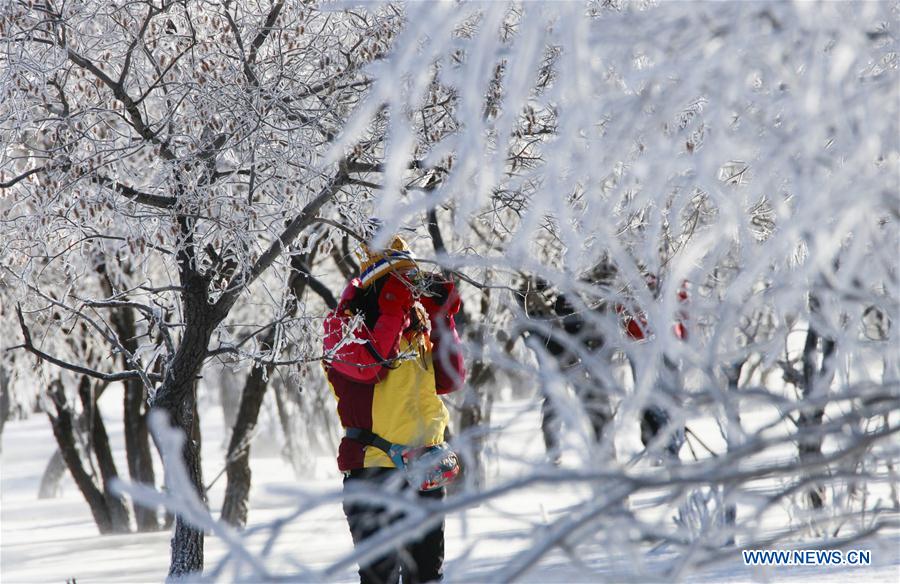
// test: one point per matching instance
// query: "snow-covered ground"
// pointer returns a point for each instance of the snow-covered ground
(56, 540)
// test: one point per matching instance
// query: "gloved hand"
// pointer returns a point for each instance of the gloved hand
(349, 292)
(443, 299)
(396, 296)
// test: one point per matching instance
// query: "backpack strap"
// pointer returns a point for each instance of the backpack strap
(369, 438)
(386, 363)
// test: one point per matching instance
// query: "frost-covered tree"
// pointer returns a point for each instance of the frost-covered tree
(618, 153)
(178, 145)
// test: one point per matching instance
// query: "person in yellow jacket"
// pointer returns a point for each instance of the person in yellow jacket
(391, 348)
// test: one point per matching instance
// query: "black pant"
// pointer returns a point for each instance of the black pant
(419, 560)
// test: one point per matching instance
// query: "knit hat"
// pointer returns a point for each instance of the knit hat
(375, 264)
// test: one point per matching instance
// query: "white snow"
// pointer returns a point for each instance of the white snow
(56, 540)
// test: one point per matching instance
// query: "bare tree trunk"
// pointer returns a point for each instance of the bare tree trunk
(137, 435)
(63, 430)
(237, 490)
(343, 261)
(732, 411)
(187, 542)
(118, 511)
(56, 466)
(230, 397)
(53, 474)
(290, 444)
(176, 397)
(473, 414)
(815, 384)
(137, 450)
(5, 401)
(810, 444)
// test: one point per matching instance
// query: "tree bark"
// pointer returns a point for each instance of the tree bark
(63, 430)
(5, 401)
(237, 490)
(230, 397)
(284, 417)
(56, 466)
(815, 384)
(137, 450)
(53, 474)
(343, 262)
(475, 408)
(176, 397)
(733, 375)
(137, 435)
(118, 511)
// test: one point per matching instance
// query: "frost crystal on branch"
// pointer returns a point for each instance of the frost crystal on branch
(677, 220)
